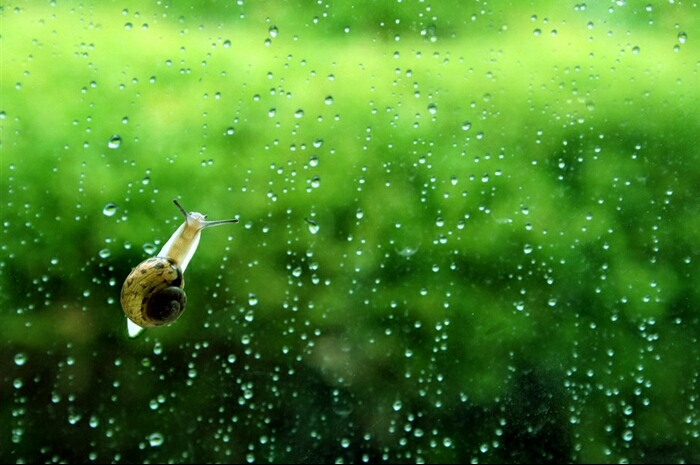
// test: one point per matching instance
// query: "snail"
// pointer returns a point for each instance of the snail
(152, 294)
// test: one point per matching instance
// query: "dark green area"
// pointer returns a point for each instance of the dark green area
(468, 231)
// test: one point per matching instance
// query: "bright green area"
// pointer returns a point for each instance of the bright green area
(505, 262)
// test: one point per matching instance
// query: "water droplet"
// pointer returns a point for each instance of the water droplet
(273, 31)
(537, 32)
(682, 37)
(359, 213)
(230, 131)
(527, 249)
(432, 108)
(105, 253)
(114, 142)
(313, 161)
(110, 209)
(397, 405)
(299, 113)
(328, 100)
(407, 252)
(149, 248)
(227, 44)
(155, 440)
(20, 359)
(313, 226)
(252, 299)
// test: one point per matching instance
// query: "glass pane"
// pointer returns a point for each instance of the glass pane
(466, 231)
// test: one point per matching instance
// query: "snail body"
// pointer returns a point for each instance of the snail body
(152, 294)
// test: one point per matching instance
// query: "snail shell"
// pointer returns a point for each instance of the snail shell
(152, 294)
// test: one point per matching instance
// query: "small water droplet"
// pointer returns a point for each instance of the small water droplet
(105, 253)
(328, 100)
(273, 31)
(682, 37)
(252, 299)
(227, 44)
(149, 248)
(527, 249)
(156, 440)
(20, 359)
(114, 142)
(397, 405)
(432, 108)
(313, 226)
(299, 113)
(110, 209)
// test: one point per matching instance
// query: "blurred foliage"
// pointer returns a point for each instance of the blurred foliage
(468, 231)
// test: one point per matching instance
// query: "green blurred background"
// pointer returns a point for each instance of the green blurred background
(469, 230)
